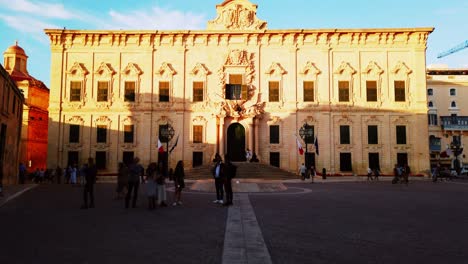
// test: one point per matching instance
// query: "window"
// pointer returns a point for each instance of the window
(400, 91)
(343, 87)
(453, 92)
(101, 134)
(308, 91)
(453, 104)
(197, 159)
(275, 159)
(431, 104)
(234, 89)
(197, 134)
(432, 119)
(101, 160)
(74, 136)
(75, 91)
(273, 91)
(372, 135)
(345, 162)
(103, 91)
(129, 92)
(127, 157)
(274, 134)
(374, 161)
(128, 133)
(371, 87)
(198, 91)
(163, 91)
(430, 91)
(345, 135)
(401, 134)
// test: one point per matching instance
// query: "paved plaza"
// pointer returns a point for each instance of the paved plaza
(326, 222)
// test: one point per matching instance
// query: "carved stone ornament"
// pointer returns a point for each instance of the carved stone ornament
(200, 70)
(373, 69)
(276, 69)
(310, 69)
(105, 70)
(78, 70)
(345, 68)
(237, 58)
(166, 70)
(236, 15)
(132, 70)
(401, 68)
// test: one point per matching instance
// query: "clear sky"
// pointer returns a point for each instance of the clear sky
(25, 20)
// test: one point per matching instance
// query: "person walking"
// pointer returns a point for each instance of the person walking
(369, 174)
(91, 173)
(218, 175)
(376, 174)
(303, 171)
(313, 173)
(406, 173)
(122, 180)
(229, 173)
(134, 172)
(161, 185)
(179, 182)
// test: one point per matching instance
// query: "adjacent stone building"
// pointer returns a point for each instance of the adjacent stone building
(359, 94)
(35, 113)
(11, 107)
(447, 90)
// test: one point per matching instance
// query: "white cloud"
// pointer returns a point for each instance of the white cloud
(156, 18)
(29, 25)
(57, 11)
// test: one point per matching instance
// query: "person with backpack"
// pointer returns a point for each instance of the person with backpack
(230, 171)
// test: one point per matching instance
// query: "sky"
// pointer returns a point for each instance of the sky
(25, 20)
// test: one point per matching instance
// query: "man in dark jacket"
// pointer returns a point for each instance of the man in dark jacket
(218, 174)
(91, 173)
(229, 173)
(135, 170)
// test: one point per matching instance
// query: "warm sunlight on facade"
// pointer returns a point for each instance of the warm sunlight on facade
(361, 93)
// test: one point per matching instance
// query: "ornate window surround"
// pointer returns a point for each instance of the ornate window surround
(275, 121)
(344, 120)
(400, 121)
(309, 73)
(373, 72)
(199, 73)
(101, 121)
(131, 73)
(276, 73)
(74, 120)
(166, 73)
(198, 121)
(104, 73)
(401, 72)
(345, 72)
(373, 121)
(77, 73)
(129, 120)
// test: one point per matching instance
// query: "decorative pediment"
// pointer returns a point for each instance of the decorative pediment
(236, 15)
(105, 70)
(345, 68)
(401, 68)
(401, 120)
(310, 69)
(132, 70)
(200, 69)
(274, 120)
(76, 120)
(166, 70)
(373, 69)
(345, 119)
(276, 69)
(78, 69)
(129, 120)
(237, 58)
(103, 120)
(199, 120)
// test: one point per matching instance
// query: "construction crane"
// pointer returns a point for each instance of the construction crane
(453, 50)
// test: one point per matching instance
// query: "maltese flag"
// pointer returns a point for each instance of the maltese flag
(299, 147)
(160, 146)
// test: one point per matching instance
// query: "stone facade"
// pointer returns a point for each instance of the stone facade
(448, 114)
(11, 107)
(239, 85)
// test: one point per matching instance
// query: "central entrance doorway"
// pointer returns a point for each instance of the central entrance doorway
(236, 142)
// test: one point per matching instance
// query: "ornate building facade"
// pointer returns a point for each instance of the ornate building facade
(11, 107)
(35, 110)
(360, 93)
(447, 90)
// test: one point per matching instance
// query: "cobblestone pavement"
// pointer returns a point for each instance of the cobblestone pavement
(364, 222)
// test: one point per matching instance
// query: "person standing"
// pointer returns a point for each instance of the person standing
(161, 185)
(134, 171)
(122, 180)
(369, 174)
(179, 182)
(73, 172)
(88, 189)
(218, 175)
(312, 173)
(83, 170)
(150, 187)
(248, 155)
(229, 173)
(22, 173)
(406, 173)
(303, 171)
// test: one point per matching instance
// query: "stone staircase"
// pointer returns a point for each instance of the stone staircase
(245, 170)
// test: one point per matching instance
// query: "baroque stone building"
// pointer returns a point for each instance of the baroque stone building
(11, 107)
(361, 93)
(33, 148)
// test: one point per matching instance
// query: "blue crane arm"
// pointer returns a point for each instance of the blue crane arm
(453, 50)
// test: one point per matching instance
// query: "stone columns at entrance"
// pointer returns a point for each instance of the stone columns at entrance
(221, 136)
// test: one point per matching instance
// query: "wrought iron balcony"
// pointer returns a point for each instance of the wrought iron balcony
(454, 122)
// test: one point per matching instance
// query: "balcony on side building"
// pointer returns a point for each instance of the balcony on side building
(454, 123)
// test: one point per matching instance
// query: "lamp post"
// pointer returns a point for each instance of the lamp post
(167, 133)
(306, 133)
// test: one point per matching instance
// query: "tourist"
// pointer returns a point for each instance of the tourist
(161, 185)
(218, 175)
(22, 173)
(229, 173)
(313, 173)
(179, 182)
(91, 173)
(369, 174)
(303, 171)
(150, 189)
(122, 180)
(135, 170)
(248, 155)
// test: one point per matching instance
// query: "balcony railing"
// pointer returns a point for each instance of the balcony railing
(454, 122)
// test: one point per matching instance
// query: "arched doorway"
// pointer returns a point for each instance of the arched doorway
(236, 142)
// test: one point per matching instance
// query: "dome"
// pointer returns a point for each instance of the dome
(15, 49)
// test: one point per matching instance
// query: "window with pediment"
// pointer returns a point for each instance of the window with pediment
(73, 129)
(128, 130)
(235, 89)
(344, 78)
(131, 83)
(165, 79)
(102, 130)
(199, 78)
(104, 79)
(76, 91)
(400, 78)
(310, 78)
(372, 76)
(275, 82)
(199, 124)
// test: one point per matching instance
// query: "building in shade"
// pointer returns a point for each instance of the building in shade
(11, 107)
(359, 94)
(447, 90)
(35, 112)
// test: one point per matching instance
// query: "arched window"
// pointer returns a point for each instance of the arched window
(453, 104)
(431, 104)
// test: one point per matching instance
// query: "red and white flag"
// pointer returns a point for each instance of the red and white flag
(299, 147)
(160, 146)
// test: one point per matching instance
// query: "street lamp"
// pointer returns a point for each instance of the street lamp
(306, 132)
(167, 133)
